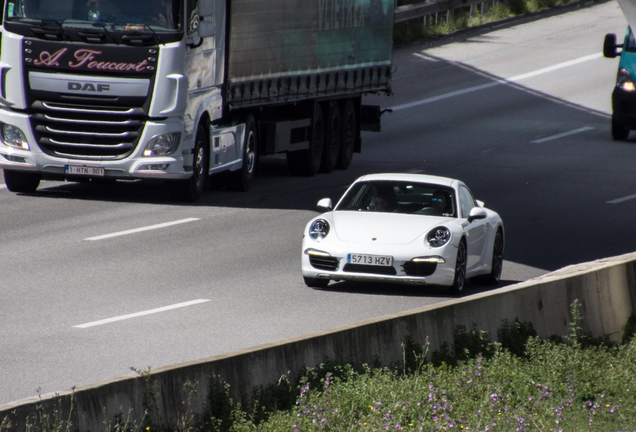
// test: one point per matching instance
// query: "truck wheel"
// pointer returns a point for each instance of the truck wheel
(348, 135)
(331, 150)
(307, 162)
(21, 182)
(619, 131)
(241, 180)
(190, 190)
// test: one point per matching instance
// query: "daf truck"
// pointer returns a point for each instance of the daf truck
(183, 90)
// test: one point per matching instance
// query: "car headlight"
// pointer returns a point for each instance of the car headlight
(14, 137)
(319, 229)
(438, 237)
(162, 145)
(624, 80)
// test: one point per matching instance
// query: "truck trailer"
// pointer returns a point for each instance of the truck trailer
(187, 90)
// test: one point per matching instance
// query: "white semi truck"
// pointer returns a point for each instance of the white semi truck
(182, 90)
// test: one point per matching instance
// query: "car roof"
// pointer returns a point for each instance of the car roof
(420, 178)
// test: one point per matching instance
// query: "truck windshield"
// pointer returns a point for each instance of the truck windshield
(159, 15)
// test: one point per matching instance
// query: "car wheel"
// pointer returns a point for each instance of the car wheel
(619, 131)
(460, 270)
(241, 180)
(331, 149)
(21, 182)
(497, 259)
(192, 189)
(316, 283)
(348, 135)
(307, 162)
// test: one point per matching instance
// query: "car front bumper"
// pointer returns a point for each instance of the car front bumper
(409, 267)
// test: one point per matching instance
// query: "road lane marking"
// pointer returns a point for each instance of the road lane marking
(136, 230)
(561, 135)
(138, 314)
(497, 82)
(3, 186)
(620, 200)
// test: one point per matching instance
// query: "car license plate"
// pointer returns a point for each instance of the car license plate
(82, 170)
(375, 260)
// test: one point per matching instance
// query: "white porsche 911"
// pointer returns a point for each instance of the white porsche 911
(404, 228)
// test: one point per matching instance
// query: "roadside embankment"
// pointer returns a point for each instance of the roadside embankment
(606, 290)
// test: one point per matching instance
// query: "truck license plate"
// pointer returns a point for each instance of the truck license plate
(375, 260)
(82, 170)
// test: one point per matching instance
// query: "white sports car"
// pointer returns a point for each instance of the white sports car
(404, 228)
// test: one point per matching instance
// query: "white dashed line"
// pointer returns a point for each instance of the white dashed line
(138, 314)
(620, 200)
(561, 135)
(136, 230)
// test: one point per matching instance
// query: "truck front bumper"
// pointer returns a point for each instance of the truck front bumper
(136, 166)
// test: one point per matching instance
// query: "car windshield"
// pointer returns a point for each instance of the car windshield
(158, 15)
(400, 197)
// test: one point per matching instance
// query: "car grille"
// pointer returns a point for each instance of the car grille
(76, 130)
(381, 270)
(419, 268)
(324, 263)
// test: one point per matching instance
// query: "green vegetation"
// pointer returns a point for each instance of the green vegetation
(518, 383)
(462, 18)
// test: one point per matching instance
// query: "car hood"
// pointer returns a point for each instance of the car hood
(383, 228)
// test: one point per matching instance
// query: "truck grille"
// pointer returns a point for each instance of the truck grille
(82, 131)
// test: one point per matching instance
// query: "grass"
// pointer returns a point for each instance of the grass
(414, 30)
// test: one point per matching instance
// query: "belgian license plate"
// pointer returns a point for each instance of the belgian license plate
(83, 170)
(375, 260)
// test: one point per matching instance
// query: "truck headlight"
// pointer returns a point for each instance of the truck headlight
(624, 80)
(162, 145)
(14, 137)
(319, 229)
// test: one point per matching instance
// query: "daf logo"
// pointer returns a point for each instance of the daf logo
(88, 87)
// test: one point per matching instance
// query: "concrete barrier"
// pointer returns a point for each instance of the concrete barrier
(606, 290)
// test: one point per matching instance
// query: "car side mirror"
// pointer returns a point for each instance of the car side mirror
(609, 46)
(325, 204)
(477, 213)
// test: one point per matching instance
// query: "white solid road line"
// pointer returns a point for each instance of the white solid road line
(497, 82)
(138, 314)
(136, 230)
(620, 200)
(561, 135)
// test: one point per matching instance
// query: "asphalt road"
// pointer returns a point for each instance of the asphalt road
(520, 113)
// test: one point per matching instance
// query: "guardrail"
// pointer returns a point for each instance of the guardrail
(426, 10)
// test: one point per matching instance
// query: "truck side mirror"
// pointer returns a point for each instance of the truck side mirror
(609, 46)
(206, 29)
(205, 7)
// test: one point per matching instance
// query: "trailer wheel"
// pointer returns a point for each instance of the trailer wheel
(307, 162)
(192, 189)
(241, 180)
(331, 149)
(348, 135)
(21, 182)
